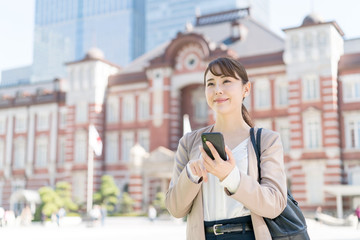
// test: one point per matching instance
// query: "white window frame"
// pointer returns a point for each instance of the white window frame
(352, 130)
(62, 150)
(283, 128)
(112, 110)
(200, 106)
(262, 94)
(80, 147)
(144, 107)
(2, 124)
(79, 186)
(127, 142)
(43, 121)
(263, 123)
(19, 153)
(2, 153)
(311, 87)
(112, 147)
(351, 88)
(128, 108)
(312, 130)
(20, 123)
(63, 118)
(41, 151)
(281, 92)
(144, 138)
(314, 177)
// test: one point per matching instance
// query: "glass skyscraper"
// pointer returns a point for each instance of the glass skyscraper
(66, 29)
(164, 18)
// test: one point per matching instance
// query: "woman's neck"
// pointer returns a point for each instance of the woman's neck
(230, 124)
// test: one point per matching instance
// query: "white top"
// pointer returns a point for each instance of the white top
(218, 205)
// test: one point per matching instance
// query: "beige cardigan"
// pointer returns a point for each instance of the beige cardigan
(266, 200)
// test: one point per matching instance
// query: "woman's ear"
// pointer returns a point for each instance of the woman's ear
(247, 88)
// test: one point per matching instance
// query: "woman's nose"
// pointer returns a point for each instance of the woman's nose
(218, 89)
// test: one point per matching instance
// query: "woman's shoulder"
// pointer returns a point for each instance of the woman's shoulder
(197, 132)
(268, 135)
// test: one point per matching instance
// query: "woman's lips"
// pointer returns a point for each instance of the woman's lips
(220, 100)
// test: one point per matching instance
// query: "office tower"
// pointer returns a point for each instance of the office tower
(66, 29)
(165, 18)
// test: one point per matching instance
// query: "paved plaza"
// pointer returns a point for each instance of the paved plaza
(140, 228)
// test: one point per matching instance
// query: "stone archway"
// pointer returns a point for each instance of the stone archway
(22, 198)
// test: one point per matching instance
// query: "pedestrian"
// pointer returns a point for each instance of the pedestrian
(103, 214)
(152, 213)
(2, 216)
(223, 199)
(357, 213)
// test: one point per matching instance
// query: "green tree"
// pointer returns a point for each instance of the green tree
(107, 194)
(51, 202)
(63, 189)
(127, 203)
(159, 203)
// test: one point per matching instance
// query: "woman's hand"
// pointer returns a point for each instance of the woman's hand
(197, 168)
(218, 167)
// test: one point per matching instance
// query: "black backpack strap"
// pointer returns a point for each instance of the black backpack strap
(257, 147)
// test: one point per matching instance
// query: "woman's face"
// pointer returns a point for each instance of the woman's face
(225, 94)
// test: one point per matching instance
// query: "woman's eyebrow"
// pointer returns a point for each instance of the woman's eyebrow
(210, 79)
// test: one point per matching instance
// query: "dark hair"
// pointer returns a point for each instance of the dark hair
(230, 67)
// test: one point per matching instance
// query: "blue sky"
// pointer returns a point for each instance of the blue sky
(17, 23)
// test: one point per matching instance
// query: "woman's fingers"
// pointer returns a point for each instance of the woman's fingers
(216, 155)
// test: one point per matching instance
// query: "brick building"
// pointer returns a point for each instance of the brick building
(306, 87)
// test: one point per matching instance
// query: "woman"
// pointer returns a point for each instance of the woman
(223, 199)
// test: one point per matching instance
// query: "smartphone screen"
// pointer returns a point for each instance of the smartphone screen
(217, 139)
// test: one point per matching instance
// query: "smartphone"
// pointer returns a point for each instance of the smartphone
(217, 140)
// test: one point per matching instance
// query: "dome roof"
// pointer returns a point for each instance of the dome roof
(312, 19)
(94, 53)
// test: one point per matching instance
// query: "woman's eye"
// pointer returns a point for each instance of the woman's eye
(227, 81)
(210, 84)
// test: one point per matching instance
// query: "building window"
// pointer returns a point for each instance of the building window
(79, 186)
(191, 61)
(311, 89)
(262, 94)
(312, 123)
(144, 107)
(63, 120)
(112, 147)
(1, 194)
(200, 105)
(283, 128)
(81, 112)
(281, 95)
(295, 42)
(128, 108)
(19, 153)
(112, 110)
(353, 132)
(62, 150)
(314, 172)
(308, 43)
(351, 88)
(144, 139)
(127, 142)
(20, 124)
(264, 123)
(2, 125)
(41, 151)
(2, 153)
(42, 121)
(80, 147)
